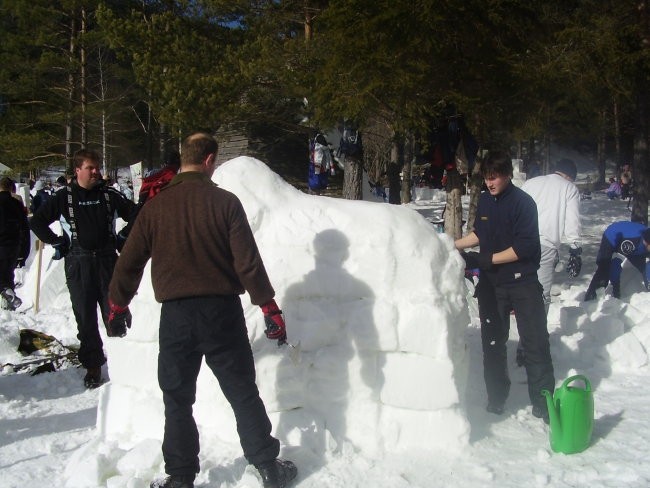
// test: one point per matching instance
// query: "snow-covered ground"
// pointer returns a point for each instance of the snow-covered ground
(344, 270)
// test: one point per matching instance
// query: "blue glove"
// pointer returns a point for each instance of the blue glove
(61, 248)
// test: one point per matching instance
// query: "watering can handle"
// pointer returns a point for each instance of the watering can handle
(580, 378)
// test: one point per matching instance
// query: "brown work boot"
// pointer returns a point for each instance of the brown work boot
(93, 377)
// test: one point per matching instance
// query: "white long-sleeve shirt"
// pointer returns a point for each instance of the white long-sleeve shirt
(558, 209)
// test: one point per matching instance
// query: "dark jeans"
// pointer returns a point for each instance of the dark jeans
(495, 304)
(87, 275)
(8, 259)
(214, 327)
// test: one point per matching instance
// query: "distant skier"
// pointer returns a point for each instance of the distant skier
(621, 240)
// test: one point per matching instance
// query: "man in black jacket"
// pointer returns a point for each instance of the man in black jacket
(14, 243)
(506, 229)
(87, 210)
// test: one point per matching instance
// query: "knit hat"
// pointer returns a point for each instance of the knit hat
(646, 235)
(567, 167)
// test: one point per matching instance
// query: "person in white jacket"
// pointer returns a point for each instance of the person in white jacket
(558, 211)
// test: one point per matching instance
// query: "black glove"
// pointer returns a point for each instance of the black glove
(119, 319)
(120, 240)
(20, 263)
(475, 260)
(574, 264)
(61, 248)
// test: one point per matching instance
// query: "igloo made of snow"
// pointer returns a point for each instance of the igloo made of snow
(374, 298)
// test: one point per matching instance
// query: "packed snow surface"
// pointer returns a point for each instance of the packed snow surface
(388, 388)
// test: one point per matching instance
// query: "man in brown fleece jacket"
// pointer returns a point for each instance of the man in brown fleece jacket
(203, 256)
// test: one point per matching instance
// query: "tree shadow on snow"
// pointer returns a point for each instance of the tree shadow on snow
(19, 429)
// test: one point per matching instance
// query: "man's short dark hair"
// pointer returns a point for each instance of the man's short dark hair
(568, 167)
(497, 163)
(173, 159)
(197, 147)
(82, 154)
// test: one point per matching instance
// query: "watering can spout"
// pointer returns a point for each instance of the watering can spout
(553, 414)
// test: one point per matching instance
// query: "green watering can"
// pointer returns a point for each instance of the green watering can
(571, 415)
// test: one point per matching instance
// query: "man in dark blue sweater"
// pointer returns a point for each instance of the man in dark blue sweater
(506, 230)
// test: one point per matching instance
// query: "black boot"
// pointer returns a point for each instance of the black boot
(174, 481)
(93, 378)
(277, 473)
(616, 290)
(9, 299)
(541, 412)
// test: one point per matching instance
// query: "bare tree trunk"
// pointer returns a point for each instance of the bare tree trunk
(71, 85)
(149, 137)
(309, 31)
(396, 156)
(546, 165)
(406, 171)
(601, 147)
(454, 208)
(475, 184)
(352, 179)
(642, 133)
(617, 134)
(82, 80)
(102, 95)
(476, 180)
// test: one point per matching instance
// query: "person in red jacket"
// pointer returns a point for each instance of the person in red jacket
(151, 186)
(199, 267)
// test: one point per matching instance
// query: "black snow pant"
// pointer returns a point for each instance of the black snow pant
(87, 275)
(214, 327)
(495, 304)
(8, 259)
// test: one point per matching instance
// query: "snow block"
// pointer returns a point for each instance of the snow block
(132, 363)
(143, 419)
(626, 353)
(408, 429)
(404, 386)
